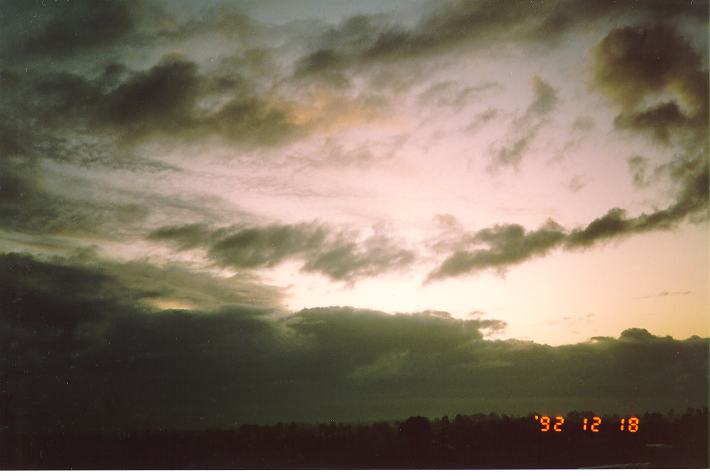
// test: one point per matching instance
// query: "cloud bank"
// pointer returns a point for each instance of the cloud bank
(82, 352)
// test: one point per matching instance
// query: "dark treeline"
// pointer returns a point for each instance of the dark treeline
(475, 441)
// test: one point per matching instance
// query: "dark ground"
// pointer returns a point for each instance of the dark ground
(476, 441)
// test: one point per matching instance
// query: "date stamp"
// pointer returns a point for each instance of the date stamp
(592, 424)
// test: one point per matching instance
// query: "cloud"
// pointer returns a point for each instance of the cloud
(362, 41)
(372, 332)
(267, 246)
(544, 102)
(632, 67)
(82, 353)
(583, 124)
(481, 119)
(346, 260)
(505, 245)
(576, 184)
(185, 237)
(82, 28)
(336, 254)
(450, 94)
(511, 244)
(637, 166)
(526, 127)
(571, 321)
(166, 100)
(632, 63)
(61, 30)
(90, 343)
(27, 206)
(162, 97)
(658, 121)
(638, 68)
(666, 294)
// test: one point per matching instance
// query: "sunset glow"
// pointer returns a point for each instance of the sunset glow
(320, 199)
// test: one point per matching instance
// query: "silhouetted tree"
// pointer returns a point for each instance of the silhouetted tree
(417, 431)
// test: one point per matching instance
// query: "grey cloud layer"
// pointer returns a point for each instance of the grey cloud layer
(34, 31)
(167, 99)
(81, 352)
(337, 255)
(61, 30)
(366, 39)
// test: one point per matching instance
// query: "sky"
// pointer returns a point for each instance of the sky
(259, 211)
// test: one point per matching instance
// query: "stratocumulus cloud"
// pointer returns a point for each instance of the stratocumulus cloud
(335, 254)
(79, 334)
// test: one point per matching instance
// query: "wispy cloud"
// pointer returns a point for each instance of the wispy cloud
(666, 294)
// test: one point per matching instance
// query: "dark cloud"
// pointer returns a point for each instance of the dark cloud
(323, 64)
(171, 284)
(67, 32)
(659, 121)
(82, 353)
(613, 223)
(632, 63)
(446, 27)
(506, 245)
(639, 68)
(184, 236)
(160, 98)
(220, 18)
(78, 344)
(373, 333)
(636, 67)
(336, 254)
(60, 29)
(166, 100)
(93, 121)
(346, 260)
(267, 246)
